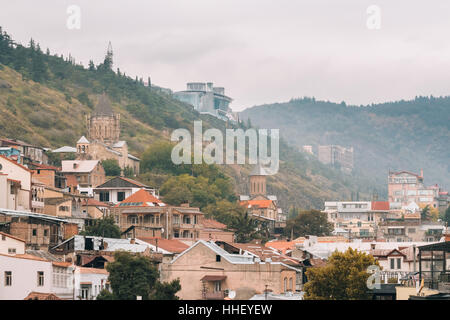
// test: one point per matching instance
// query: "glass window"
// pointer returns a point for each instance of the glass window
(120, 196)
(8, 278)
(40, 278)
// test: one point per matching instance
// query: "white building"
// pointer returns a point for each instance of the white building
(119, 188)
(22, 274)
(11, 245)
(89, 282)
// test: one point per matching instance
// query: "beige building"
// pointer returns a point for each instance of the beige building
(336, 155)
(88, 174)
(405, 188)
(207, 271)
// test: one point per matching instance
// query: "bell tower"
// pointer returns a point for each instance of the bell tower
(258, 181)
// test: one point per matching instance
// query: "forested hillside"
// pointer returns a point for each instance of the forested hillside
(403, 135)
(44, 98)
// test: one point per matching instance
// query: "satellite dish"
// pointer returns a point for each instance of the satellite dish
(231, 294)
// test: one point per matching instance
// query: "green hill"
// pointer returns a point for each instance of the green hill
(403, 135)
(44, 99)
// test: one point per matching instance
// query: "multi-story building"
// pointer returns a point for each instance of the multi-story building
(206, 99)
(15, 185)
(209, 271)
(337, 156)
(357, 219)
(118, 189)
(87, 174)
(28, 152)
(142, 215)
(405, 188)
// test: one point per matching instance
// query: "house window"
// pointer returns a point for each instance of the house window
(399, 263)
(34, 232)
(11, 250)
(3, 237)
(40, 278)
(133, 219)
(104, 196)
(217, 286)
(46, 233)
(217, 258)
(411, 230)
(392, 264)
(291, 286)
(285, 285)
(120, 196)
(8, 278)
(85, 292)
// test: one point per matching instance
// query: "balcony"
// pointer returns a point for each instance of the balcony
(216, 295)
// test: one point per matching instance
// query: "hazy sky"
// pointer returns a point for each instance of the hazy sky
(261, 51)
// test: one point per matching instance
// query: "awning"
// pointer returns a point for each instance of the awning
(213, 278)
(86, 283)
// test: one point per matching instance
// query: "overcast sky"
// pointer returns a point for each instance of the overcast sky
(261, 51)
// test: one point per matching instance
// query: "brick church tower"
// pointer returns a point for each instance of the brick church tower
(103, 125)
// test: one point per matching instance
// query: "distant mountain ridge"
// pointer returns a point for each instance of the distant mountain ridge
(402, 135)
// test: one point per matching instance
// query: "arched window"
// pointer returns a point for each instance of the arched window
(291, 287)
(285, 284)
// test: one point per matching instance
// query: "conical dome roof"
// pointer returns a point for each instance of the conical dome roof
(103, 107)
(83, 140)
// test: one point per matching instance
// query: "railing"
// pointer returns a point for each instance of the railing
(217, 295)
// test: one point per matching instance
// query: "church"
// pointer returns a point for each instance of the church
(102, 142)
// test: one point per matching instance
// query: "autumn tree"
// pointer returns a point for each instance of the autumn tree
(343, 278)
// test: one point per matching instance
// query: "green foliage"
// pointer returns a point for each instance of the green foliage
(311, 222)
(425, 213)
(84, 99)
(135, 275)
(131, 276)
(166, 291)
(111, 167)
(105, 295)
(447, 216)
(128, 172)
(343, 278)
(104, 227)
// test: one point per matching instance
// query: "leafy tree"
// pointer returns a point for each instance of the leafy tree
(166, 291)
(311, 222)
(128, 172)
(104, 227)
(447, 216)
(111, 167)
(105, 295)
(343, 278)
(425, 213)
(246, 228)
(131, 276)
(136, 275)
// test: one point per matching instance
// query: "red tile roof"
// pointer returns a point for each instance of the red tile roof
(380, 205)
(10, 236)
(257, 203)
(44, 167)
(140, 198)
(41, 296)
(173, 245)
(85, 270)
(95, 203)
(213, 224)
